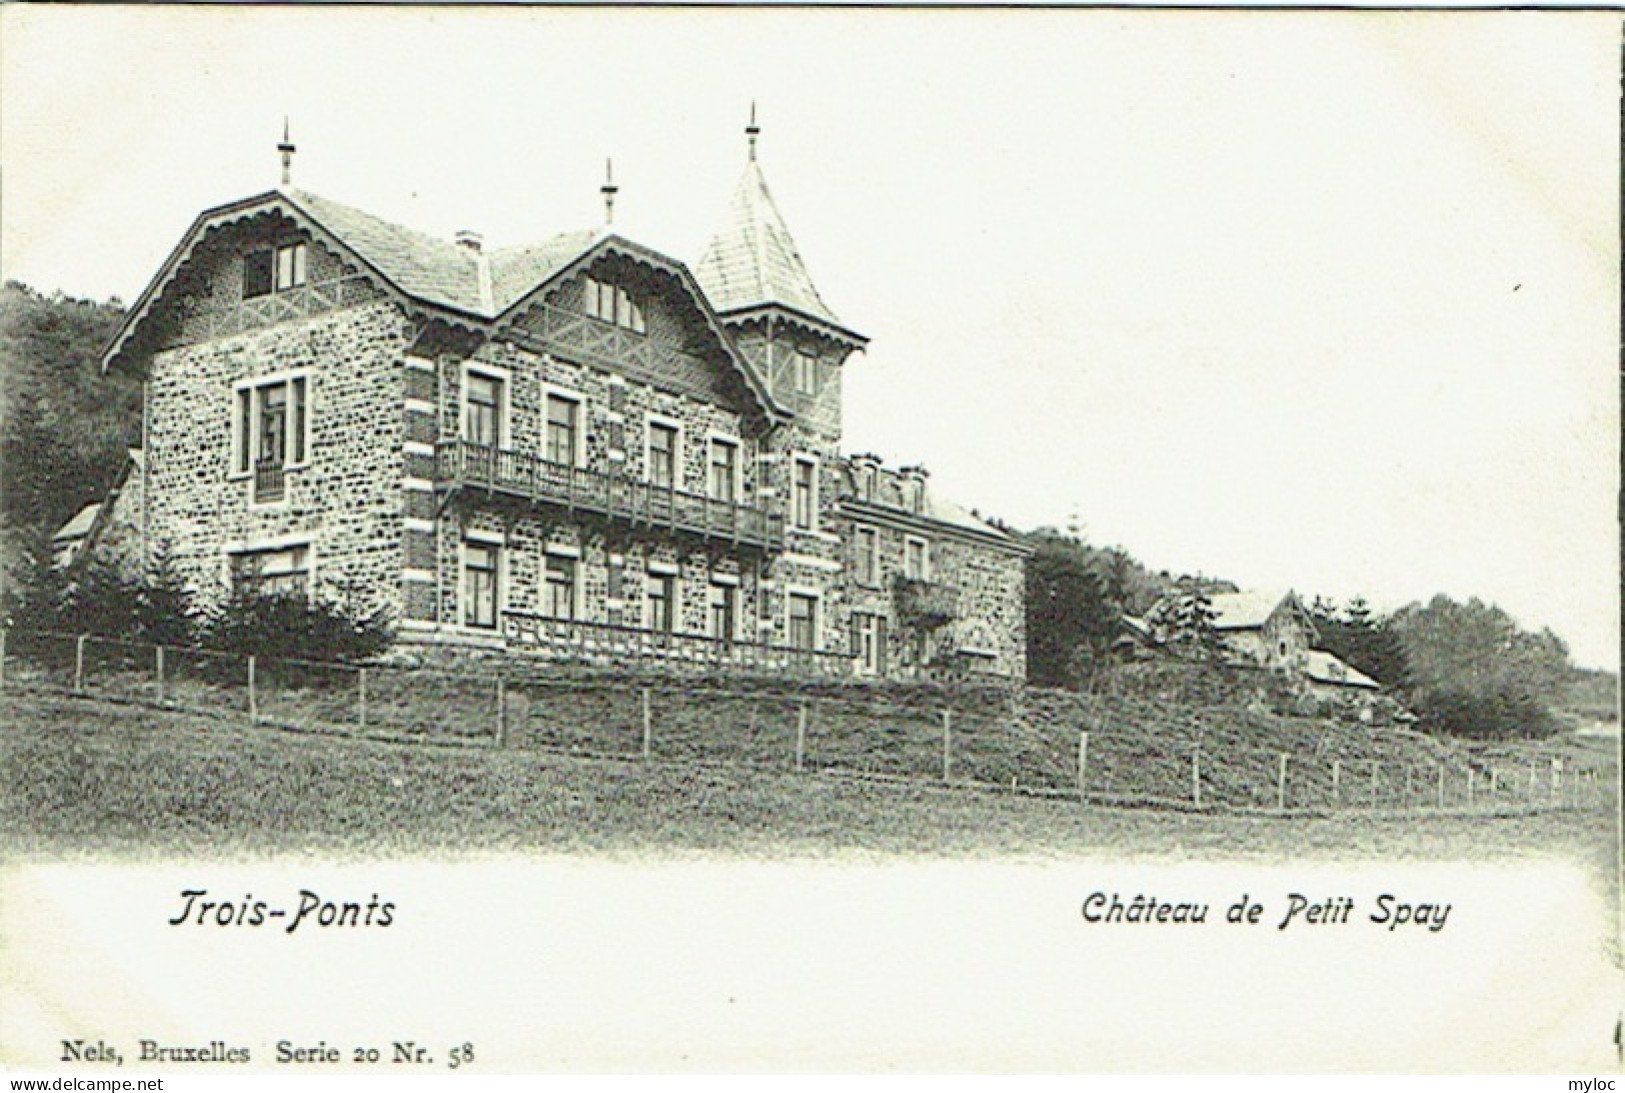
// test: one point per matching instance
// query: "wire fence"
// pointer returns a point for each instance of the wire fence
(1103, 749)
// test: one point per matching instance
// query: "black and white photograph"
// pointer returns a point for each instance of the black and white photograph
(794, 539)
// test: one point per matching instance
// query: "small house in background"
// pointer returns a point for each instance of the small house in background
(1270, 630)
(109, 528)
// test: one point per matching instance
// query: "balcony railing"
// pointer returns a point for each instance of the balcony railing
(925, 603)
(617, 497)
(270, 481)
(611, 645)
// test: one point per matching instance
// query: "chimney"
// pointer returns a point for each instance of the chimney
(470, 240)
(913, 482)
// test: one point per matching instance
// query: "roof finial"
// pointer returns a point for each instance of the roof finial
(752, 131)
(609, 190)
(287, 149)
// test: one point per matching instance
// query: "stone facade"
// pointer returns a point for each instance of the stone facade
(605, 462)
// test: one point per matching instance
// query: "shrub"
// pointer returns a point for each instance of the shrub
(294, 627)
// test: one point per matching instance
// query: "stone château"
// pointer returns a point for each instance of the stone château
(581, 449)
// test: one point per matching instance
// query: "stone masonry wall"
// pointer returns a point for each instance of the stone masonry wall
(345, 504)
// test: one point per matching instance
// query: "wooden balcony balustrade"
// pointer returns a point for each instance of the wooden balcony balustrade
(602, 643)
(926, 603)
(461, 464)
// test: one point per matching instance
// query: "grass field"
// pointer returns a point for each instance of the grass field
(82, 776)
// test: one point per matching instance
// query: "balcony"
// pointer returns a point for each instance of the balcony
(270, 481)
(461, 464)
(606, 644)
(924, 604)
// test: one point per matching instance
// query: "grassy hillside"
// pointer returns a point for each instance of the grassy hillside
(79, 775)
(1139, 751)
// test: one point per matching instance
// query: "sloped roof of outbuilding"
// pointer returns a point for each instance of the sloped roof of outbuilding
(80, 525)
(1324, 667)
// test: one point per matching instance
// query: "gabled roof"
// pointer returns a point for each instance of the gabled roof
(1249, 610)
(419, 268)
(753, 261)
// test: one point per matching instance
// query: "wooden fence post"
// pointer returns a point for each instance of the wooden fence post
(1280, 785)
(648, 725)
(79, 663)
(947, 745)
(1375, 766)
(1337, 781)
(1083, 766)
(1196, 777)
(502, 712)
(361, 697)
(801, 736)
(158, 669)
(253, 694)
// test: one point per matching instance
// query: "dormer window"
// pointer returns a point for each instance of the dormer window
(279, 270)
(613, 304)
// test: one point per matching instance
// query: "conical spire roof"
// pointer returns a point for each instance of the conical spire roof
(753, 261)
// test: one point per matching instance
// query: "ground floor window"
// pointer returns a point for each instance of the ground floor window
(803, 612)
(869, 643)
(281, 572)
(481, 563)
(724, 611)
(559, 587)
(661, 592)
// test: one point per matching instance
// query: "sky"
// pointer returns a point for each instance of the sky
(1322, 301)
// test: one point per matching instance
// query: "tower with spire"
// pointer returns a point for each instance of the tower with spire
(756, 279)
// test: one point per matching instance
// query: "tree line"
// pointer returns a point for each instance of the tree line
(1465, 669)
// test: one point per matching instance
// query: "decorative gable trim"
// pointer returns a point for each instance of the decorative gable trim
(273, 203)
(655, 263)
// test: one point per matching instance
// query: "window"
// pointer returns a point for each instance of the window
(866, 544)
(290, 267)
(869, 643)
(267, 270)
(866, 483)
(480, 569)
(663, 455)
(284, 572)
(661, 615)
(563, 428)
(803, 502)
(257, 269)
(806, 366)
(803, 609)
(482, 409)
(272, 432)
(613, 304)
(724, 611)
(724, 476)
(916, 559)
(559, 587)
